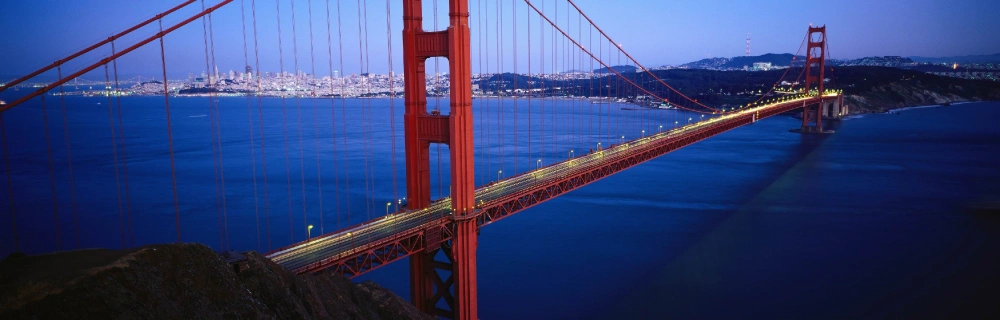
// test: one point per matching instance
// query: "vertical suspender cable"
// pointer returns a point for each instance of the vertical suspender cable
(333, 122)
(124, 158)
(319, 167)
(212, 78)
(500, 89)
(170, 135)
(366, 108)
(392, 97)
(546, 130)
(114, 146)
(482, 89)
(298, 114)
(515, 77)
(10, 185)
(260, 114)
(218, 132)
(487, 84)
(121, 137)
(52, 178)
(343, 115)
(253, 156)
(284, 124)
(556, 105)
(590, 89)
(69, 161)
(527, 19)
(371, 127)
(312, 86)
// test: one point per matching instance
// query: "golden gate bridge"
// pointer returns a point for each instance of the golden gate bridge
(439, 235)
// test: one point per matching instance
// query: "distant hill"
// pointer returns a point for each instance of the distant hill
(960, 59)
(776, 59)
(620, 69)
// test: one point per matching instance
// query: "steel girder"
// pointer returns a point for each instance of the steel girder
(377, 254)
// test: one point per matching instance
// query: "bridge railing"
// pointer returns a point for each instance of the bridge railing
(348, 244)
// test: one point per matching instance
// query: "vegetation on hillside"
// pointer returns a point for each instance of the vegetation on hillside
(867, 89)
(183, 281)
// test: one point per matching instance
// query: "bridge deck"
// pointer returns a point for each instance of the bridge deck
(378, 242)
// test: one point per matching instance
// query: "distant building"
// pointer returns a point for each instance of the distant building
(761, 66)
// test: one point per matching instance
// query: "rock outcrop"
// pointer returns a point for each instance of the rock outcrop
(185, 281)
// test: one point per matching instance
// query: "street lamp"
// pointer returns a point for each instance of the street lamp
(498, 175)
(689, 120)
(571, 154)
(599, 146)
(623, 139)
(538, 163)
(643, 133)
(675, 124)
(309, 232)
(387, 204)
(661, 129)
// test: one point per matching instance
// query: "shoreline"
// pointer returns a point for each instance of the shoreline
(890, 111)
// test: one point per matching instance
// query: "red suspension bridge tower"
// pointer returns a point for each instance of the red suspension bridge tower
(815, 64)
(427, 288)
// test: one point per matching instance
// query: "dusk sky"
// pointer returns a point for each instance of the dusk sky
(656, 32)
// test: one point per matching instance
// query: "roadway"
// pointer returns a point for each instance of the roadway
(344, 244)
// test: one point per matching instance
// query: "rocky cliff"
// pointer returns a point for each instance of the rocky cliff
(877, 89)
(185, 281)
(901, 95)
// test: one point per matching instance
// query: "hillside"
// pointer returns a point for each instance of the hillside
(619, 69)
(960, 59)
(184, 281)
(867, 89)
(775, 59)
(878, 89)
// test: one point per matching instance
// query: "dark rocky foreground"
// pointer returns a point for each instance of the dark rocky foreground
(184, 281)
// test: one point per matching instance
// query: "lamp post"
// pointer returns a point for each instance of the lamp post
(387, 204)
(643, 133)
(675, 124)
(599, 147)
(571, 154)
(498, 175)
(623, 139)
(309, 232)
(689, 120)
(661, 129)
(538, 164)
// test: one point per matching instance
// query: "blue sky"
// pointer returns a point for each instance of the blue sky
(34, 33)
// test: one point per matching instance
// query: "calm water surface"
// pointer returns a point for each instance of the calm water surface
(872, 221)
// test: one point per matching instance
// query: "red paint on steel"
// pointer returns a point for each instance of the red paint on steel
(456, 130)
(815, 65)
(497, 209)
